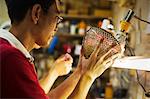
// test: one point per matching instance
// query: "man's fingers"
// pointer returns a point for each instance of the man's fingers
(103, 57)
(101, 60)
(82, 52)
(93, 56)
(66, 57)
(117, 48)
(108, 64)
(67, 68)
(68, 64)
(113, 50)
(112, 58)
(96, 51)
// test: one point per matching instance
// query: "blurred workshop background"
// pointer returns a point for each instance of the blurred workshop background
(79, 16)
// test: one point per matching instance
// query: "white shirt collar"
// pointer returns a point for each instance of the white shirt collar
(15, 43)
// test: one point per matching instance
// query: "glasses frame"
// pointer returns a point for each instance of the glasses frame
(59, 19)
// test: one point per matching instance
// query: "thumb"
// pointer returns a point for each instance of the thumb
(66, 57)
(110, 60)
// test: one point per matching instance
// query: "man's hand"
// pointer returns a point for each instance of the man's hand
(98, 66)
(92, 68)
(63, 65)
(95, 65)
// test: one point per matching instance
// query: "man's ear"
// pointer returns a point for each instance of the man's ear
(35, 13)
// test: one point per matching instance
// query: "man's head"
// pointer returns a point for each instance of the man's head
(39, 16)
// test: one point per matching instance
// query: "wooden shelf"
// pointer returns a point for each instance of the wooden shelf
(81, 16)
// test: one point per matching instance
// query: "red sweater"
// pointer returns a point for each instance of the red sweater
(18, 77)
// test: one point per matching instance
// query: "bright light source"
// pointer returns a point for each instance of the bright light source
(139, 63)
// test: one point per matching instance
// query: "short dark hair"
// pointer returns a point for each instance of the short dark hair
(17, 9)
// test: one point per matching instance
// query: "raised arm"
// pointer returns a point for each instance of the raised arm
(61, 66)
(95, 69)
(64, 90)
(66, 87)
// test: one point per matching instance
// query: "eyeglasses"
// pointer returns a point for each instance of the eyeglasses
(140, 80)
(59, 20)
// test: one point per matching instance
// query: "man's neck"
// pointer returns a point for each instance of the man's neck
(23, 34)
